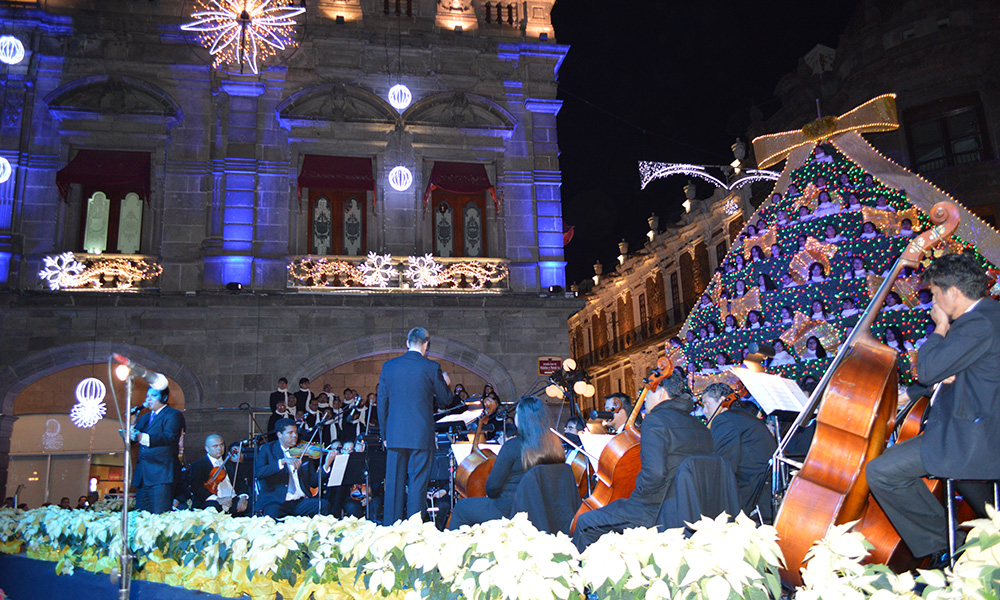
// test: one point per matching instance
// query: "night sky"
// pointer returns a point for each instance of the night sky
(665, 80)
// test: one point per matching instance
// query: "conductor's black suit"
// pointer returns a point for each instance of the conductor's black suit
(409, 388)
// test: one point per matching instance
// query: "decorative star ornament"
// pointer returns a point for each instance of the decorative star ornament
(244, 32)
(378, 270)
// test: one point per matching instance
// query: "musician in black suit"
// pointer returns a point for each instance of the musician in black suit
(410, 387)
(746, 442)
(302, 398)
(226, 497)
(158, 433)
(285, 480)
(279, 406)
(669, 435)
(239, 465)
(962, 431)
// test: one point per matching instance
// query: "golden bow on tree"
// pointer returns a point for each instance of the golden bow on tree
(878, 114)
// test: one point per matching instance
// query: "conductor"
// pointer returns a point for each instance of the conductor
(409, 389)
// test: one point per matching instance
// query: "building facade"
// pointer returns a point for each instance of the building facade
(284, 210)
(631, 312)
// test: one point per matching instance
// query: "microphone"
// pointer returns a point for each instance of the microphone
(155, 380)
(604, 415)
(135, 409)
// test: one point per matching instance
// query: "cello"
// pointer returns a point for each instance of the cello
(858, 397)
(620, 463)
(472, 473)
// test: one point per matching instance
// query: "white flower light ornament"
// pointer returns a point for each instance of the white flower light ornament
(89, 407)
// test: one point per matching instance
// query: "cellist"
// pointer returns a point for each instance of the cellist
(962, 431)
(669, 435)
(533, 445)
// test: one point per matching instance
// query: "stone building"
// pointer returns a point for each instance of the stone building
(939, 58)
(228, 227)
(631, 312)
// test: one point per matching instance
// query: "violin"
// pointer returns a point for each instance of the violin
(471, 475)
(856, 412)
(215, 478)
(307, 450)
(739, 392)
(620, 463)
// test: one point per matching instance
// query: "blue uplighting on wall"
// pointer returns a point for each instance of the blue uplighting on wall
(4, 266)
(222, 270)
(552, 272)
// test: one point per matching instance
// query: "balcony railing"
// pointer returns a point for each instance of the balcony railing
(78, 272)
(649, 329)
(387, 273)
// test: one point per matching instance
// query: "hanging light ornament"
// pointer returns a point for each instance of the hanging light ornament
(89, 407)
(11, 50)
(400, 97)
(244, 32)
(400, 178)
(5, 170)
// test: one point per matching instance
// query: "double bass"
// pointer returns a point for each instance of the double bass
(620, 462)
(856, 414)
(472, 473)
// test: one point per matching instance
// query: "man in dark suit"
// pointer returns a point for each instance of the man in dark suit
(285, 480)
(410, 387)
(962, 432)
(745, 441)
(669, 435)
(279, 406)
(158, 433)
(303, 396)
(227, 496)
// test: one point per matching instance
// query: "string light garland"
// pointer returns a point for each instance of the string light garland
(395, 274)
(244, 33)
(649, 171)
(66, 272)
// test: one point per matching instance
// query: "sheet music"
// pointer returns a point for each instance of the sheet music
(336, 476)
(594, 444)
(463, 449)
(773, 392)
(463, 417)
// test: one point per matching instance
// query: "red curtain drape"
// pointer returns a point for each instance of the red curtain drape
(106, 168)
(460, 178)
(336, 172)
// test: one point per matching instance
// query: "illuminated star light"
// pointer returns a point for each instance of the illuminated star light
(243, 31)
(378, 270)
(423, 271)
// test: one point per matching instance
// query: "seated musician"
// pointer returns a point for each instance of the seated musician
(572, 430)
(285, 480)
(338, 493)
(239, 465)
(669, 435)
(962, 432)
(533, 445)
(746, 442)
(216, 489)
(619, 405)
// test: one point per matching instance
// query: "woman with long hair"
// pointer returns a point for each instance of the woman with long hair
(533, 445)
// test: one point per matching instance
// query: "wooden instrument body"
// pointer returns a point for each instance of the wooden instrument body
(853, 423)
(851, 428)
(583, 473)
(471, 475)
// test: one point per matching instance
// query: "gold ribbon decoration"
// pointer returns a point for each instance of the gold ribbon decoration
(878, 114)
(814, 252)
(803, 328)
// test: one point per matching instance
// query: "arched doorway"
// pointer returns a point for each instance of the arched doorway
(39, 446)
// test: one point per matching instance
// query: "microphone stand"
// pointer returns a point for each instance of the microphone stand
(125, 559)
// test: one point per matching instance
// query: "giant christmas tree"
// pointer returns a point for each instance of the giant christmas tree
(809, 259)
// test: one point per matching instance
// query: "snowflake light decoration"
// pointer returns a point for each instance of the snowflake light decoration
(423, 271)
(378, 270)
(89, 407)
(61, 270)
(244, 32)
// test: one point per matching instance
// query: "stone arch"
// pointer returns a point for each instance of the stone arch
(18, 376)
(385, 343)
(335, 102)
(460, 109)
(91, 97)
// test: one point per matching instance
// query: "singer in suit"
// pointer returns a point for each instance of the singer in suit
(962, 431)
(410, 387)
(228, 496)
(285, 480)
(158, 433)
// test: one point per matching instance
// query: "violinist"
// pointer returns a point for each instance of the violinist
(533, 445)
(211, 481)
(572, 430)
(962, 431)
(284, 478)
(669, 435)
(620, 406)
(745, 441)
